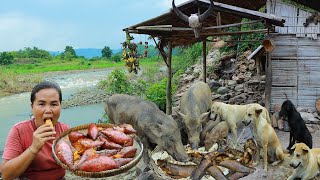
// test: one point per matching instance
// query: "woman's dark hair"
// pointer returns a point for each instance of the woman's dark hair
(45, 85)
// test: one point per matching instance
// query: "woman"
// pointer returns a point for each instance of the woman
(28, 149)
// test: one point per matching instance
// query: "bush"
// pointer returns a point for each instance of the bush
(6, 58)
(187, 58)
(116, 58)
(118, 83)
(157, 94)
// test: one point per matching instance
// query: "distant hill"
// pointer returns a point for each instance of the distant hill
(94, 52)
(86, 52)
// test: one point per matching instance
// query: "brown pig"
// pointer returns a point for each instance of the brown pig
(220, 131)
(195, 105)
(149, 121)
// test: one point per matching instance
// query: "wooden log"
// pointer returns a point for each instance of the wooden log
(169, 87)
(204, 56)
(268, 82)
(318, 105)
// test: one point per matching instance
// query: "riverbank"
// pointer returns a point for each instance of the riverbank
(12, 83)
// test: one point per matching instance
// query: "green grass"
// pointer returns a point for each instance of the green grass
(49, 66)
(17, 78)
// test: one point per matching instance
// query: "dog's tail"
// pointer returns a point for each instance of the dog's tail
(286, 96)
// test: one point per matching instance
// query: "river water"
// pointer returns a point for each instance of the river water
(16, 108)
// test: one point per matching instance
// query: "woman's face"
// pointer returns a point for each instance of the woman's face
(46, 105)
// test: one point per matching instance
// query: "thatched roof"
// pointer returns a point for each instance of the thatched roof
(166, 26)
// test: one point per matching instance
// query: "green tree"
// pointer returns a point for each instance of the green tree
(69, 53)
(6, 58)
(116, 58)
(106, 52)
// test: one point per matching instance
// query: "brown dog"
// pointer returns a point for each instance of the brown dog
(265, 136)
(305, 162)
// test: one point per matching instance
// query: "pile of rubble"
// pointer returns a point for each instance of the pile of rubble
(311, 118)
(232, 80)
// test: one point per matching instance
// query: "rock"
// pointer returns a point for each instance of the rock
(306, 116)
(274, 121)
(253, 82)
(263, 77)
(225, 97)
(188, 71)
(313, 120)
(231, 82)
(276, 107)
(280, 124)
(286, 126)
(174, 110)
(222, 90)
(302, 109)
(188, 78)
(216, 96)
(316, 115)
(239, 87)
(311, 130)
(214, 85)
(315, 127)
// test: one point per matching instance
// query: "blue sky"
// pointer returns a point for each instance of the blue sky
(54, 24)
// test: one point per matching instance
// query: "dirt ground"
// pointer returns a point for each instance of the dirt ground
(283, 170)
(279, 172)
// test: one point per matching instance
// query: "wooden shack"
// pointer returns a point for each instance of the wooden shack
(171, 31)
(295, 60)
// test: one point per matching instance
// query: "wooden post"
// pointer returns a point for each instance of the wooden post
(268, 81)
(169, 76)
(204, 57)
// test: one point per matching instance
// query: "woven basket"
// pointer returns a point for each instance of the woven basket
(84, 129)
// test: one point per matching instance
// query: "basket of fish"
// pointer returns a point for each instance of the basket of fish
(225, 163)
(98, 150)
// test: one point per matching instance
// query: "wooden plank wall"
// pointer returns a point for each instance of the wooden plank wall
(295, 70)
(295, 18)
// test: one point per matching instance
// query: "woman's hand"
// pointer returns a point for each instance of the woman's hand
(43, 133)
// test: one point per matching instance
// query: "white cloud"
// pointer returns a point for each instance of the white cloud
(18, 31)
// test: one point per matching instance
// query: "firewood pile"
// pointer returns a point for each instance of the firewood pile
(222, 163)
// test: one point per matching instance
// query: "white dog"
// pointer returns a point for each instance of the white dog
(305, 162)
(234, 114)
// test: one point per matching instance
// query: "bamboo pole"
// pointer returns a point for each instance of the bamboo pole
(169, 74)
(171, 28)
(224, 33)
(204, 57)
(268, 81)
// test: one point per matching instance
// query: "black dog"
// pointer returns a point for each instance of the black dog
(298, 129)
